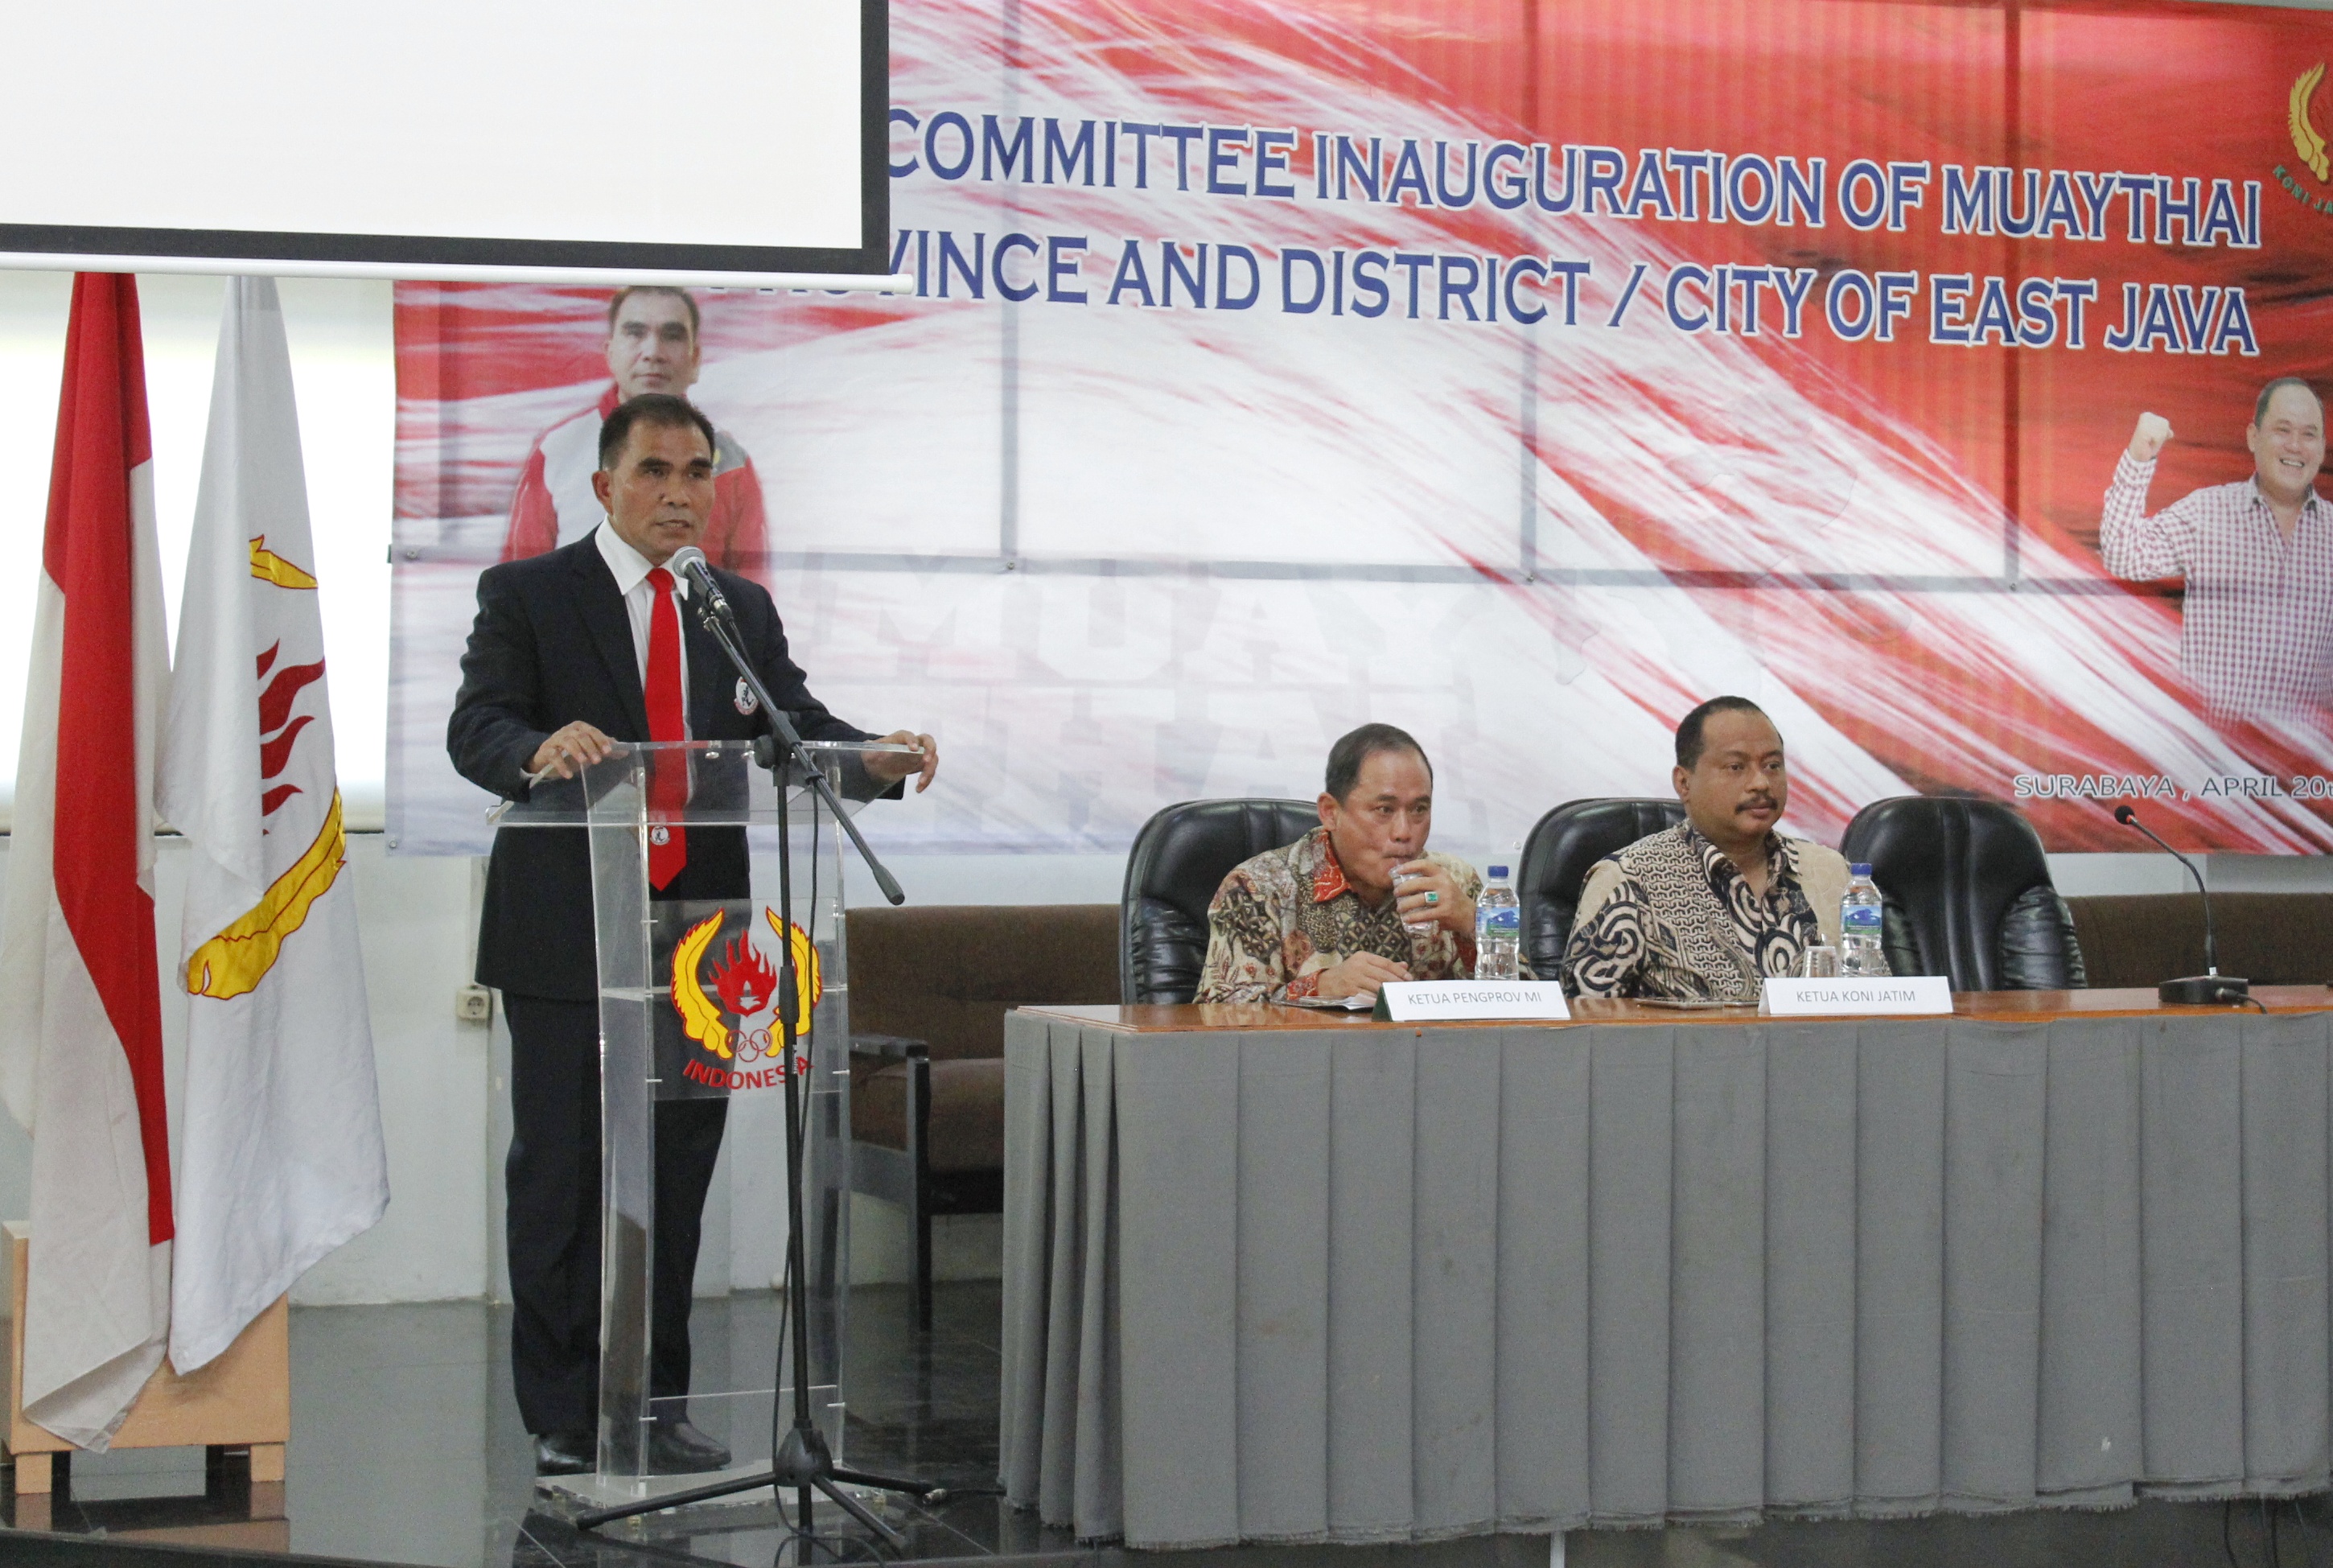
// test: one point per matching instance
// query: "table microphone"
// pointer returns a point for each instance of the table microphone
(2196, 990)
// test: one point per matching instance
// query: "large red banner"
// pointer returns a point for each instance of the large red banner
(1521, 373)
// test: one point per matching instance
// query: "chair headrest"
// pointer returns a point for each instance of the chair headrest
(1562, 845)
(1576, 835)
(1922, 848)
(1950, 867)
(1179, 859)
(1185, 852)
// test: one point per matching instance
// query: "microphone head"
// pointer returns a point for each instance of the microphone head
(2126, 816)
(687, 557)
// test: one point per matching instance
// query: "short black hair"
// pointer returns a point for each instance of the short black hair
(695, 324)
(2260, 407)
(657, 410)
(1356, 746)
(1689, 742)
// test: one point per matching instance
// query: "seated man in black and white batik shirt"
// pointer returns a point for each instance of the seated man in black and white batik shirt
(1707, 909)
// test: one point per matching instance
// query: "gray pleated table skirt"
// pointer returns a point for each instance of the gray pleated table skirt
(1400, 1284)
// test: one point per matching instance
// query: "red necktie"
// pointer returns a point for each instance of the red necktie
(667, 721)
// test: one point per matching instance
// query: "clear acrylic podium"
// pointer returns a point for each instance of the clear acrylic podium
(688, 1010)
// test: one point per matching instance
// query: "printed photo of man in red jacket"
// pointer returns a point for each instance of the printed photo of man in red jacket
(653, 346)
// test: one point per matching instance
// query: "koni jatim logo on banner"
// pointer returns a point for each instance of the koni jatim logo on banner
(727, 999)
(2300, 119)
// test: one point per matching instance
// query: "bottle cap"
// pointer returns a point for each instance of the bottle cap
(1497, 873)
(1859, 868)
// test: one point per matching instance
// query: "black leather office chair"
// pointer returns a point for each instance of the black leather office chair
(1179, 859)
(1967, 894)
(1562, 845)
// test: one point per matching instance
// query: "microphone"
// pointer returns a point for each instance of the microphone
(2198, 990)
(690, 561)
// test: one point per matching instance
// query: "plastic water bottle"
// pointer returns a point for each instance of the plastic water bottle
(1498, 930)
(1860, 949)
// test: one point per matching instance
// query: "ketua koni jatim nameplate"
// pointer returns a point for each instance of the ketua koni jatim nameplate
(1856, 995)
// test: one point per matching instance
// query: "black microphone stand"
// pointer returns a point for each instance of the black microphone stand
(2194, 990)
(802, 1462)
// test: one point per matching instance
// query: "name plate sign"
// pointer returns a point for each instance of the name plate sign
(1856, 995)
(1449, 1001)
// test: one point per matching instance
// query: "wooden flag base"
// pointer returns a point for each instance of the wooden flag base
(241, 1400)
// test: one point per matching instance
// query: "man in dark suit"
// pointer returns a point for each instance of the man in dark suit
(573, 653)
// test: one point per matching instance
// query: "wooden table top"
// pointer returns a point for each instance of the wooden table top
(1997, 1006)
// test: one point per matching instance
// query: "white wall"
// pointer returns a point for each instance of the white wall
(344, 366)
(415, 916)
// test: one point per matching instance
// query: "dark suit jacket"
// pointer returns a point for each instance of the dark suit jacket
(552, 644)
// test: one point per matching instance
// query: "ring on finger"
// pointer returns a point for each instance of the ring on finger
(1434, 898)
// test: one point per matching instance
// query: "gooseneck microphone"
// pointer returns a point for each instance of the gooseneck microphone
(690, 561)
(2210, 987)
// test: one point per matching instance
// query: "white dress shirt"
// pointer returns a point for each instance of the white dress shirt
(632, 570)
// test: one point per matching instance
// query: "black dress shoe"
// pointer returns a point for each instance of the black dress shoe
(565, 1453)
(677, 1448)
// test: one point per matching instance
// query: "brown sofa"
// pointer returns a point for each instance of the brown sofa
(929, 989)
(2143, 938)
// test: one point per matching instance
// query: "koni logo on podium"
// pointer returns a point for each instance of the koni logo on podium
(725, 998)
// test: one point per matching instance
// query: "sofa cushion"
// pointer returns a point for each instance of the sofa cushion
(947, 974)
(967, 1125)
(2146, 938)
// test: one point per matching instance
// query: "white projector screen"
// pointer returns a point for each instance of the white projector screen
(726, 141)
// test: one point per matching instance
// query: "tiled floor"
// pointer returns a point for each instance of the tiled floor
(407, 1444)
(408, 1449)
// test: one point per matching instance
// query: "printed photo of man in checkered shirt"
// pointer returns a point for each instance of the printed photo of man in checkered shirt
(2256, 635)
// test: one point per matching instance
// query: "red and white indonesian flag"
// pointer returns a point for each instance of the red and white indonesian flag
(81, 1026)
(280, 1153)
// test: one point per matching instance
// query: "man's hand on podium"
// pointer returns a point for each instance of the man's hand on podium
(890, 767)
(567, 750)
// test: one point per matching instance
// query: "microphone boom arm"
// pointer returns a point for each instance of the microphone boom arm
(2129, 818)
(2210, 987)
(716, 618)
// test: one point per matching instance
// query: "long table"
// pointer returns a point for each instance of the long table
(1272, 1275)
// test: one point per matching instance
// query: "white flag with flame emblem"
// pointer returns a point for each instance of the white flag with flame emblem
(280, 1150)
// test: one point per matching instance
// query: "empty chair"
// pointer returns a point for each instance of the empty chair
(1562, 845)
(1179, 859)
(929, 989)
(1967, 893)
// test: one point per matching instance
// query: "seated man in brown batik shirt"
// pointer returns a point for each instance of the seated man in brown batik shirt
(1324, 917)
(1707, 909)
